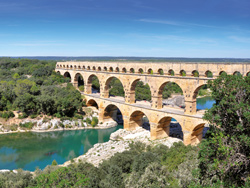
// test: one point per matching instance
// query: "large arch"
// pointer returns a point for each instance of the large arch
(139, 91)
(113, 113)
(93, 84)
(138, 119)
(67, 75)
(165, 91)
(93, 103)
(113, 87)
(78, 80)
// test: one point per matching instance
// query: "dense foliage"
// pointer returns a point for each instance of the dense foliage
(33, 87)
(225, 154)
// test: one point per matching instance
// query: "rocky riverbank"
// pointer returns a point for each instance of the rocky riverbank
(119, 142)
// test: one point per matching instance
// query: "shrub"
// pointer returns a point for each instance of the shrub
(28, 125)
(7, 114)
(81, 88)
(88, 121)
(33, 116)
(94, 121)
(54, 163)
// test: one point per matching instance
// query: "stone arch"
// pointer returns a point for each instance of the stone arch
(90, 88)
(124, 70)
(160, 93)
(99, 69)
(105, 68)
(63, 66)
(150, 71)
(162, 129)
(71, 66)
(132, 70)
(248, 74)
(88, 68)
(131, 93)
(74, 66)
(171, 72)
(140, 71)
(93, 103)
(107, 85)
(117, 69)
(110, 69)
(93, 68)
(58, 72)
(57, 65)
(136, 119)
(112, 113)
(222, 72)
(67, 75)
(67, 66)
(78, 80)
(196, 135)
(209, 74)
(237, 73)
(183, 73)
(79, 67)
(160, 71)
(195, 73)
(83, 67)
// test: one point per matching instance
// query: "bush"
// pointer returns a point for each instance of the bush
(7, 114)
(88, 121)
(54, 163)
(28, 125)
(81, 88)
(94, 121)
(33, 116)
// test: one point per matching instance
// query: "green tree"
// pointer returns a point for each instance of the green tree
(225, 154)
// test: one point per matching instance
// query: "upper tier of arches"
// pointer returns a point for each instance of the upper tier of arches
(202, 70)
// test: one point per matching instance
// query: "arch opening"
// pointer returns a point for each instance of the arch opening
(140, 71)
(111, 69)
(112, 115)
(209, 74)
(140, 93)
(93, 81)
(92, 103)
(79, 82)
(93, 68)
(237, 73)
(195, 73)
(132, 70)
(124, 70)
(139, 119)
(171, 95)
(150, 71)
(160, 72)
(171, 72)
(197, 134)
(117, 69)
(58, 72)
(222, 73)
(183, 73)
(99, 69)
(105, 68)
(115, 88)
(67, 76)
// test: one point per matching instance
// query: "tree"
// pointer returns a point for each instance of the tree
(225, 154)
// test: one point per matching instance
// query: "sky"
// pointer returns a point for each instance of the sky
(140, 28)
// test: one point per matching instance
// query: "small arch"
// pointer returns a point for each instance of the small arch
(150, 71)
(195, 73)
(237, 73)
(57, 65)
(209, 74)
(83, 67)
(132, 70)
(71, 66)
(93, 68)
(67, 66)
(75, 67)
(140, 71)
(183, 73)
(99, 69)
(63, 66)
(117, 69)
(171, 72)
(160, 72)
(79, 67)
(93, 103)
(58, 72)
(88, 68)
(248, 74)
(105, 68)
(222, 73)
(111, 69)
(124, 70)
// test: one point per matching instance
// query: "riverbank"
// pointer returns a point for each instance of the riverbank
(119, 142)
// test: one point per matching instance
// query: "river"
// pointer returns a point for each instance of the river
(30, 150)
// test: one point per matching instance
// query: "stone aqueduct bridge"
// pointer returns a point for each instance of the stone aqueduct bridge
(157, 75)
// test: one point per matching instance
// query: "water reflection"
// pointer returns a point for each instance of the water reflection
(29, 150)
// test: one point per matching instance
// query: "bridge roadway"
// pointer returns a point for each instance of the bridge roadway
(189, 76)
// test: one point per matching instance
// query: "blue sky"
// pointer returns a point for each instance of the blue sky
(159, 28)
